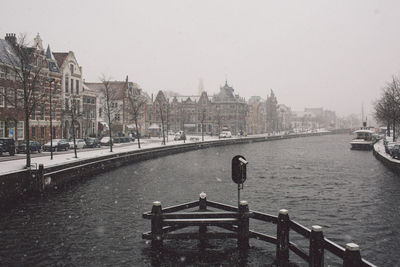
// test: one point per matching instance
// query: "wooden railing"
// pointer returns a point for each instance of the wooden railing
(236, 221)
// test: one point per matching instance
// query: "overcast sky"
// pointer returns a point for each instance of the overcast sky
(331, 54)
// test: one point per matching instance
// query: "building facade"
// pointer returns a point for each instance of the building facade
(71, 94)
(44, 105)
(198, 114)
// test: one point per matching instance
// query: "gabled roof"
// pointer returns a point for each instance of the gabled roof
(7, 55)
(53, 67)
(60, 58)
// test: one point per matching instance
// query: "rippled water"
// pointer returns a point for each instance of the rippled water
(318, 179)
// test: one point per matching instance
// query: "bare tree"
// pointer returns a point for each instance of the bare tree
(76, 114)
(110, 105)
(137, 103)
(162, 111)
(28, 66)
(387, 109)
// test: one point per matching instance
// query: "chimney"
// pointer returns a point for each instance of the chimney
(11, 39)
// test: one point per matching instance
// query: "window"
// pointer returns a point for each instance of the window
(77, 87)
(1, 97)
(71, 68)
(33, 114)
(20, 98)
(117, 116)
(20, 130)
(11, 97)
(72, 86)
(42, 132)
(66, 83)
(42, 110)
(2, 129)
(2, 72)
(33, 133)
(100, 111)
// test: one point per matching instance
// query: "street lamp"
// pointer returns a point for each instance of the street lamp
(51, 80)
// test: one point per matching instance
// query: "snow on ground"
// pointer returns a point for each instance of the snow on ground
(380, 148)
(60, 159)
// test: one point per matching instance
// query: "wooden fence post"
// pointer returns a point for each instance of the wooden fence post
(316, 247)
(156, 225)
(40, 178)
(202, 228)
(243, 231)
(352, 256)
(282, 235)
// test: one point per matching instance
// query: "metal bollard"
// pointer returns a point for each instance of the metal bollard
(282, 235)
(243, 231)
(316, 247)
(352, 256)
(156, 225)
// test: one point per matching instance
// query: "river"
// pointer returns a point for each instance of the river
(97, 222)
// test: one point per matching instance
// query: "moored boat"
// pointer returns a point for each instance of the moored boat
(364, 140)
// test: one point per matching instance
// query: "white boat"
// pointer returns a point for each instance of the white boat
(364, 140)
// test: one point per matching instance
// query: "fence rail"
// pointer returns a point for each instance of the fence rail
(236, 220)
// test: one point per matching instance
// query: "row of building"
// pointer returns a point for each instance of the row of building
(65, 103)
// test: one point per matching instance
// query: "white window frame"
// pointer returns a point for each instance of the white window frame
(2, 128)
(20, 130)
(10, 104)
(2, 97)
(20, 98)
(2, 73)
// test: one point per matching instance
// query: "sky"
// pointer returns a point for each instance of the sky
(331, 54)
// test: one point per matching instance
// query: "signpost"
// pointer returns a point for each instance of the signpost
(239, 175)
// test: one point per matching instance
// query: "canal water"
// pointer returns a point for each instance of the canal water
(318, 179)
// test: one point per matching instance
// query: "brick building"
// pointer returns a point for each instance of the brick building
(12, 73)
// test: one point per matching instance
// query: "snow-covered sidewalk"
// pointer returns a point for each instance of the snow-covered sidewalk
(60, 159)
(379, 147)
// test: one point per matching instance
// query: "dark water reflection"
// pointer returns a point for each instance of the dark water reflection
(319, 180)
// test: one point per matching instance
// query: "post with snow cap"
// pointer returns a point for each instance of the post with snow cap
(202, 228)
(282, 235)
(352, 256)
(156, 225)
(316, 247)
(243, 231)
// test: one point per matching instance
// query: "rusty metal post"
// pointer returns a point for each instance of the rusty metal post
(202, 228)
(352, 256)
(156, 225)
(316, 247)
(243, 231)
(282, 235)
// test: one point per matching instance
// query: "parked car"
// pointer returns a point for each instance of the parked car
(124, 139)
(7, 145)
(105, 141)
(180, 136)
(225, 134)
(80, 143)
(33, 146)
(58, 144)
(92, 142)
